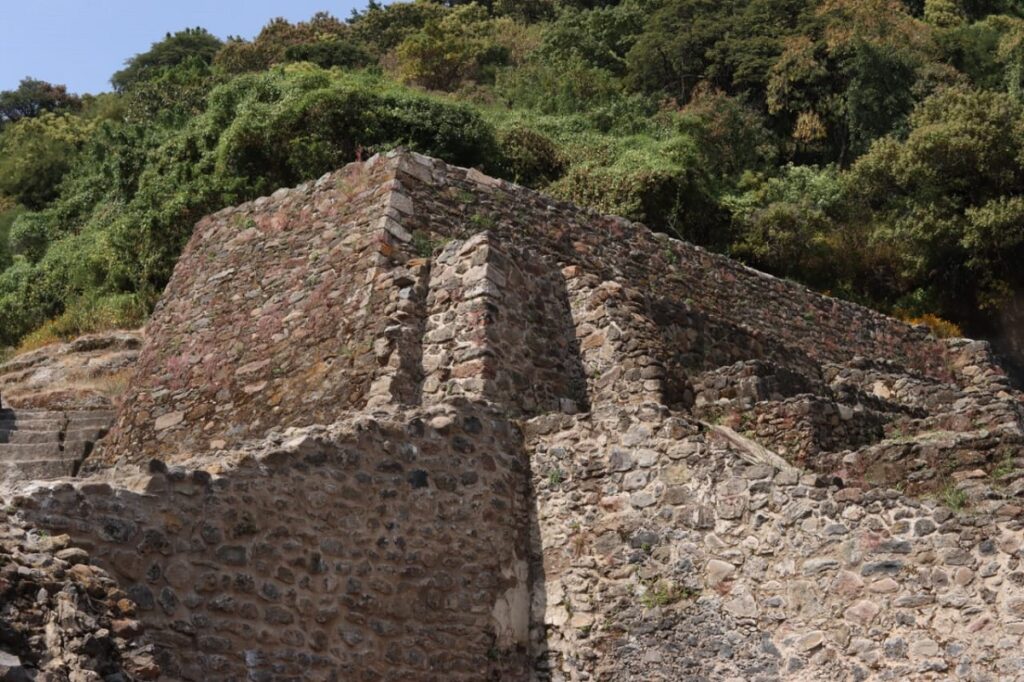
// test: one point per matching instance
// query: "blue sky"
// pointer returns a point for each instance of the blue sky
(81, 43)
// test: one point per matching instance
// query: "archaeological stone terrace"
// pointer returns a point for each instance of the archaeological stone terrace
(410, 422)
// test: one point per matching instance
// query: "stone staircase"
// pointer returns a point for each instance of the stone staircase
(42, 444)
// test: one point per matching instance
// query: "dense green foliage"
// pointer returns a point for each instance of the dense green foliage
(33, 97)
(870, 148)
(191, 46)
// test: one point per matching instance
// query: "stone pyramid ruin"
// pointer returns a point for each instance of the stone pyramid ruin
(410, 422)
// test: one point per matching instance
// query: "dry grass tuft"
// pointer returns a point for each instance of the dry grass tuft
(943, 329)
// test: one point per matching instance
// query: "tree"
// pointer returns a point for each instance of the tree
(527, 10)
(731, 136)
(786, 224)
(671, 55)
(457, 48)
(943, 13)
(740, 61)
(600, 37)
(35, 153)
(948, 199)
(851, 74)
(323, 40)
(190, 44)
(33, 97)
(382, 29)
(329, 53)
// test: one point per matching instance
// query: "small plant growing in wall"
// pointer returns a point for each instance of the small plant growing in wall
(482, 222)
(555, 477)
(243, 222)
(953, 497)
(579, 539)
(1004, 469)
(663, 592)
(424, 246)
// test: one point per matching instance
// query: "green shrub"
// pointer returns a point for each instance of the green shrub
(330, 53)
(30, 236)
(22, 305)
(8, 214)
(656, 181)
(529, 157)
(783, 223)
(128, 205)
(565, 87)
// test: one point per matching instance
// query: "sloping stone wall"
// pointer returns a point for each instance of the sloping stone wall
(289, 309)
(783, 316)
(269, 319)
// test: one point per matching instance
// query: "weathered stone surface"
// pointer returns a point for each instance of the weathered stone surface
(89, 373)
(409, 422)
(74, 609)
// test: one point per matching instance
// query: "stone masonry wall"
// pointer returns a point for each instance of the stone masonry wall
(293, 308)
(269, 319)
(514, 476)
(667, 553)
(616, 342)
(500, 328)
(390, 549)
(782, 316)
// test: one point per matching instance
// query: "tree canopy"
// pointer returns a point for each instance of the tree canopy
(32, 97)
(189, 45)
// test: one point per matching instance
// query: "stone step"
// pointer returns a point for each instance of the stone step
(34, 469)
(26, 437)
(92, 434)
(73, 415)
(22, 420)
(21, 452)
(32, 424)
(77, 449)
(80, 421)
(96, 423)
(11, 413)
(91, 416)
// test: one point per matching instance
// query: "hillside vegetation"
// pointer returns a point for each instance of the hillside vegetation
(873, 149)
